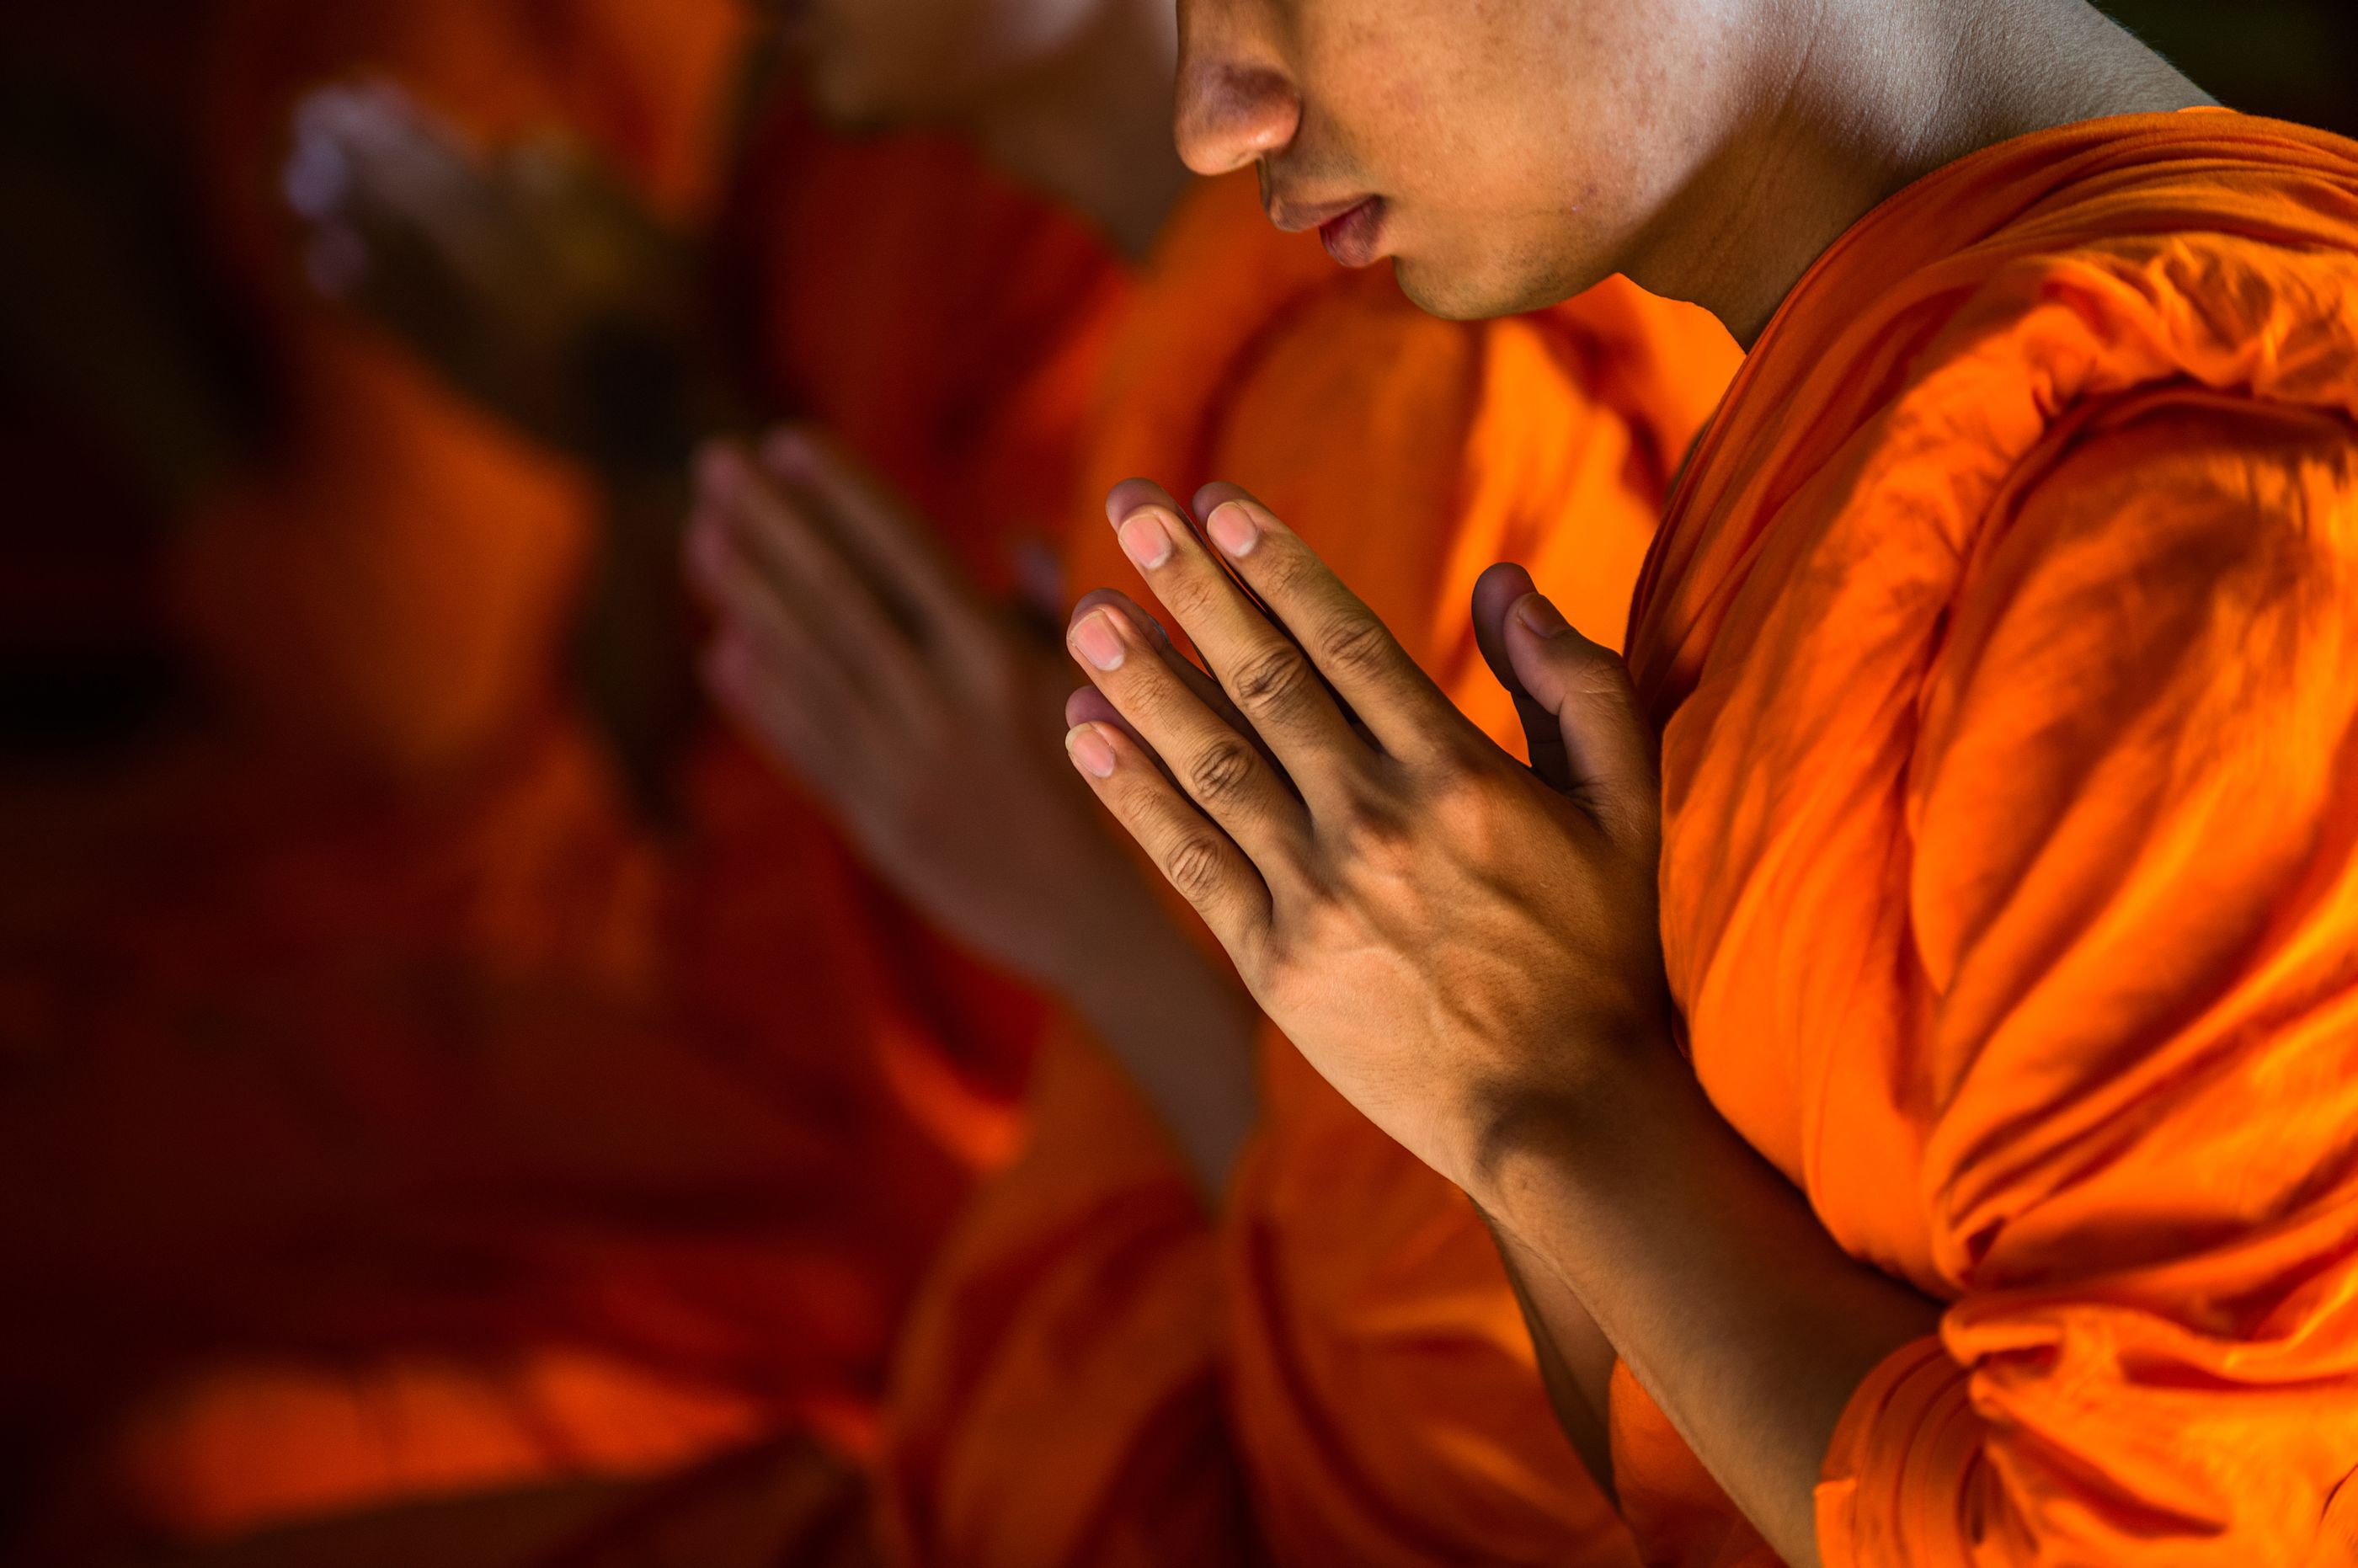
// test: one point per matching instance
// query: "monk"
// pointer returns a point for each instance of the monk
(1898, 1024)
(1211, 1314)
(436, 1117)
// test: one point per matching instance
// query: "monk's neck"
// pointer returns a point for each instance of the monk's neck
(1092, 126)
(1860, 98)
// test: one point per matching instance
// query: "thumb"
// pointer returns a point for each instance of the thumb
(1604, 753)
(1498, 591)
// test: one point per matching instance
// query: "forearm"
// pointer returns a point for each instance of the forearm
(1181, 1027)
(1711, 1278)
(1575, 1360)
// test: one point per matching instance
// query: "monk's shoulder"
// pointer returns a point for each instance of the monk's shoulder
(2174, 503)
(2157, 633)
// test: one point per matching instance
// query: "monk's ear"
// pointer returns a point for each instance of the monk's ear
(1499, 589)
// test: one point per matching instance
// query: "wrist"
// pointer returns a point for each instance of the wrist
(1543, 1156)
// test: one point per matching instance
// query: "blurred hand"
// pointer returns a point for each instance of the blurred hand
(532, 278)
(927, 722)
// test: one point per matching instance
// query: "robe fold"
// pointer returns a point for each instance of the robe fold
(391, 1114)
(1377, 1390)
(2001, 637)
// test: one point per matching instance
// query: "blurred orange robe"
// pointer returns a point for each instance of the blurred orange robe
(1334, 1370)
(443, 1127)
(2003, 636)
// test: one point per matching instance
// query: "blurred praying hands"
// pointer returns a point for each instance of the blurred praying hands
(531, 277)
(925, 719)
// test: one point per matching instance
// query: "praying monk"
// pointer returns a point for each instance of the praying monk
(550, 1145)
(1211, 1314)
(1901, 1025)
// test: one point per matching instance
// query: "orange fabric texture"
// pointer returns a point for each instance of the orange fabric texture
(2001, 640)
(408, 1117)
(1381, 1400)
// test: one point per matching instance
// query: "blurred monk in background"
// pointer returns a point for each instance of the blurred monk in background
(1902, 1023)
(467, 1069)
(1172, 1227)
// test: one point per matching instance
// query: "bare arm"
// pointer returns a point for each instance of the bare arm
(1575, 1359)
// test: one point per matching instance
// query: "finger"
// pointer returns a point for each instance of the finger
(1151, 632)
(885, 541)
(789, 725)
(1609, 748)
(1089, 706)
(1270, 679)
(1190, 673)
(1206, 868)
(1357, 655)
(1494, 595)
(750, 614)
(815, 587)
(1222, 771)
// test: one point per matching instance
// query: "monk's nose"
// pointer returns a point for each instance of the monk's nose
(1236, 105)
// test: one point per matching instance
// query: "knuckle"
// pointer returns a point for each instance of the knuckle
(1380, 834)
(1356, 645)
(1271, 680)
(1220, 773)
(1478, 809)
(1188, 594)
(1194, 864)
(1288, 568)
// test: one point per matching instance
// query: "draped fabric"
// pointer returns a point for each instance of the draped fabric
(2001, 640)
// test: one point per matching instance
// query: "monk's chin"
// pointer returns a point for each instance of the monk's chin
(1453, 296)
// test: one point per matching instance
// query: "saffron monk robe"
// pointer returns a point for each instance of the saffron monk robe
(1212, 1314)
(556, 1146)
(1901, 1025)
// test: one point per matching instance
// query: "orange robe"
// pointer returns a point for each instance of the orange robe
(1336, 1370)
(410, 1119)
(2002, 638)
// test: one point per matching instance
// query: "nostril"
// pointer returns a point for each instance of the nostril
(1230, 117)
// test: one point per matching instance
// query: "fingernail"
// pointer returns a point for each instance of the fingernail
(1540, 618)
(1089, 751)
(1233, 529)
(1144, 539)
(1097, 641)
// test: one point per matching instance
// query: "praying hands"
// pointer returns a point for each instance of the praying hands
(1468, 949)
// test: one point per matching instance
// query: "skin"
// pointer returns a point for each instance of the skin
(923, 718)
(1466, 946)
(1525, 151)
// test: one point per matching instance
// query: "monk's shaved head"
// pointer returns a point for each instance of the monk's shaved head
(1507, 153)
